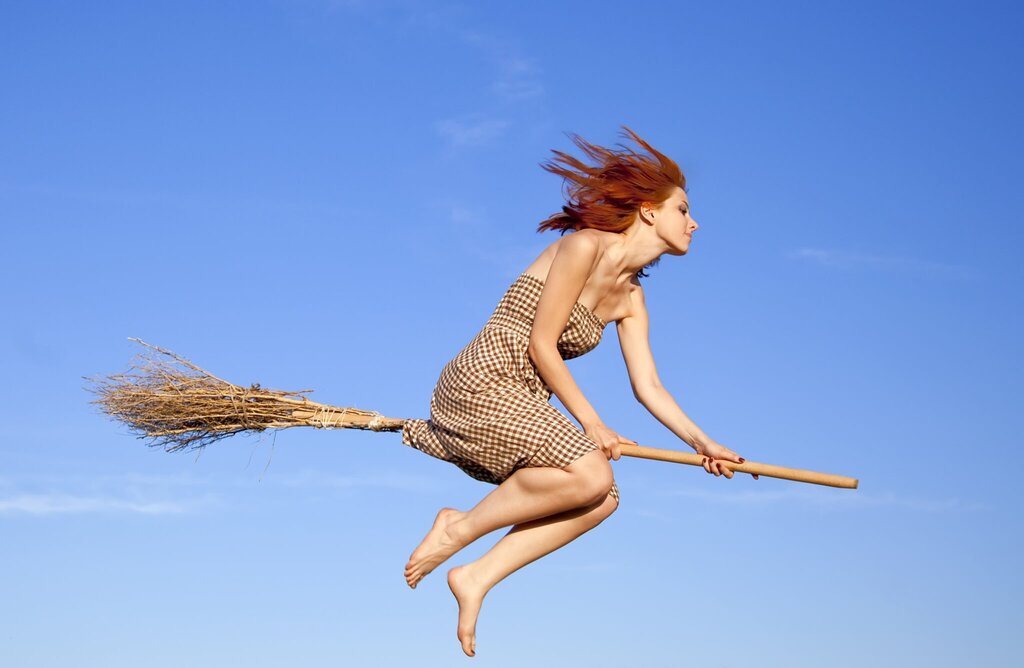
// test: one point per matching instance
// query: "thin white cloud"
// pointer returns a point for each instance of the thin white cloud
(518, 79)
(74, 493)
(464, 215)
(63, 504)
(471, 131)
(148, 494)
(649, 514)
(348, 4)
(852, 260)
(589, 569)
(505, 257)
(828, 499)
(395, 481)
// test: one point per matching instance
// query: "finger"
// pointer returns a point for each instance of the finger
(714, 467)
(726, 471)
(731, 456)
(706, 464)
(616, 452)
(755, 476)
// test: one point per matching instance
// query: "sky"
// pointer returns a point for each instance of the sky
(335, 195)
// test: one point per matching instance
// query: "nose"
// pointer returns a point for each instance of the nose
(695, 225)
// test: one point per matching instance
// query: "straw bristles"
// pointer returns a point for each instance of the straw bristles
(179, 405)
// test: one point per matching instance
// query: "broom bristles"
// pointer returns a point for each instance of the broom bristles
(181, 406)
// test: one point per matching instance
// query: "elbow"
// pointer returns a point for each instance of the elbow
(644, 391)
(536, 350)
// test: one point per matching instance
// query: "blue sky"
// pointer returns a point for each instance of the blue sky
(334, 195)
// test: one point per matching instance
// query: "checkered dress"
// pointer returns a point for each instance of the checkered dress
(489, 414)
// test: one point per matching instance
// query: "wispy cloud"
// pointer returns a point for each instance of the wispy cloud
(147, 494)
(54, 494)
(827, 499)
(481, 240)
(898, 263)
(506, 257)
(62, 504)
(589, 569)
(464, 215)
(470, 131)
(395, 481)
(518, 79)
(346, 5)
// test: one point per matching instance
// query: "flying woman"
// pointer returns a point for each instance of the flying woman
(490, 414)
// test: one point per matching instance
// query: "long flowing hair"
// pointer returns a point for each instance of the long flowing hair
(607, 194)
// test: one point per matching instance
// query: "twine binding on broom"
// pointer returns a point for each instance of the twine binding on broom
(179, 405)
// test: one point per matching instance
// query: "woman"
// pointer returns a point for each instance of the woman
(490, 413)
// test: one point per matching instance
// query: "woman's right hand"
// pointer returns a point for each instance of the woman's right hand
(716, 458)
(609, 441)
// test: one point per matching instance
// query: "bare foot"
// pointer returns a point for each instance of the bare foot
(470, 595)
(435, 547)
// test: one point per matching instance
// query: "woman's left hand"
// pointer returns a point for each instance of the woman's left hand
(609, 442)
(716, 457)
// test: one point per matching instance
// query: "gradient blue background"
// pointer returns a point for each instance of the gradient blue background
(334, 195)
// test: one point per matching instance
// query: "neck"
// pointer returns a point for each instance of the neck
(640, 246)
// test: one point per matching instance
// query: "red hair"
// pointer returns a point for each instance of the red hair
(607, 195)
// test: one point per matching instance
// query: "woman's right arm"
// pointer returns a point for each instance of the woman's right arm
(572, 265)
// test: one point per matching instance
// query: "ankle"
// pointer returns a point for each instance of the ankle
(483, 574)
(457, 532)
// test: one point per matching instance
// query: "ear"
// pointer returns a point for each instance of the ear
(646, 212)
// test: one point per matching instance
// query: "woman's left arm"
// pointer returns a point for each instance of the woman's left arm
(634, 338)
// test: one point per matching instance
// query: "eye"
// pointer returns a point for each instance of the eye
(683, 210)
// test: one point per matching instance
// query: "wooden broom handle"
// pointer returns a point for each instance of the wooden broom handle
(769, 470)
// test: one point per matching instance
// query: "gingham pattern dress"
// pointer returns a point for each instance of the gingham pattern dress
(490, 413)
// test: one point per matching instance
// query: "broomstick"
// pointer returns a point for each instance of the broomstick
(180, 406)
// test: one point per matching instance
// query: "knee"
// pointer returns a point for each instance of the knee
(596, 484)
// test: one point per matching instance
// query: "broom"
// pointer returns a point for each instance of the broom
(180, 406)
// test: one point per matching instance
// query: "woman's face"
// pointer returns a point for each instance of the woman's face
(673, 222)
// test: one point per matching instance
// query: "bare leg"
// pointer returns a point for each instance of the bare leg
(523, 544)
(528, 494)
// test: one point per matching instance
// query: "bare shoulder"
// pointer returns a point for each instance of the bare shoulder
(583, 246)
(588, 243)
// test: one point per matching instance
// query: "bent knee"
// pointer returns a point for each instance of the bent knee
(595, 482)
